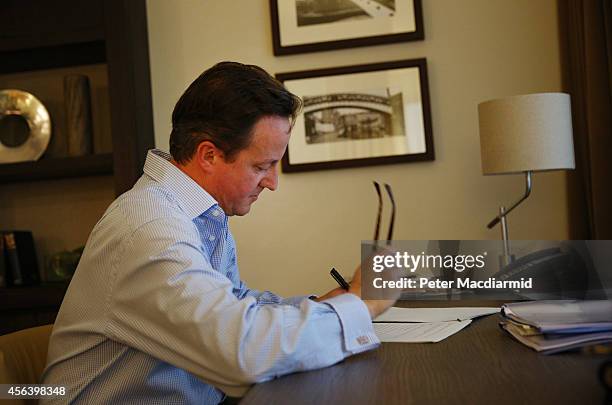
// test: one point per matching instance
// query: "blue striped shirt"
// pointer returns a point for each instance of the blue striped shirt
(156, 311)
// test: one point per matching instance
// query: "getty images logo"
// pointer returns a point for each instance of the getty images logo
(411, 262)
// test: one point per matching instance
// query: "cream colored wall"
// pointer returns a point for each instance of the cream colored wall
(476, 50)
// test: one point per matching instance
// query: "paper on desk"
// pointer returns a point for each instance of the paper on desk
(431, 332)
(394, 314)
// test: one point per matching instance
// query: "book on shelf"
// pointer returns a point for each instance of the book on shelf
(19, 257)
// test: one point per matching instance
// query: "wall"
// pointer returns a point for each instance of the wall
(476, 50)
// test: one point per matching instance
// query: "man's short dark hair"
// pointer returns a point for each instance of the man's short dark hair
(223, 105)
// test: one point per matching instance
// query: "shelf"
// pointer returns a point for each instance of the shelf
(41, 34)
(52, 57)
(48, 295)
(26, 307)
(57, 168)
(30, 24)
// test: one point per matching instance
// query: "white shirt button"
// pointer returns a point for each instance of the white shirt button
(216, 213)
(211, 238)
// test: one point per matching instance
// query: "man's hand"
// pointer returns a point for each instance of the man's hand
(355, 285)
(375, 307)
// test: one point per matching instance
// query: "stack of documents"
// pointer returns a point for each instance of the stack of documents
(555, 326)
(422, 325)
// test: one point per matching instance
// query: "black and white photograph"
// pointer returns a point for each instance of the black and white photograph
(344, 124)
(311, 12)
(300, 26)
(350, 116)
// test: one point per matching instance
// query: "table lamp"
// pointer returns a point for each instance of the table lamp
(523, 134)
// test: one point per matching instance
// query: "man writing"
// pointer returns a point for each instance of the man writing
(156, 311)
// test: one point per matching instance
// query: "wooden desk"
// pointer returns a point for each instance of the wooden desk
(479, 365)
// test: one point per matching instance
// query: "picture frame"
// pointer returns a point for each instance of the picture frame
(300, 26)
(360, 115)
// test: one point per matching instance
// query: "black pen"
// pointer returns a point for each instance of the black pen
(339, 279)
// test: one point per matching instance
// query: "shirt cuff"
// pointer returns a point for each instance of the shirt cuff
(356, 323)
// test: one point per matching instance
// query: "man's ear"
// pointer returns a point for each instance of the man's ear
(207, 154)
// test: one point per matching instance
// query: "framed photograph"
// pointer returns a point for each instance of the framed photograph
(360, 115)
(300, 26)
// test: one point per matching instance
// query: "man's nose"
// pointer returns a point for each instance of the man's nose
(271, 180)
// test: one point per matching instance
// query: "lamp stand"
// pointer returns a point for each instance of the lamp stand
(507, 257)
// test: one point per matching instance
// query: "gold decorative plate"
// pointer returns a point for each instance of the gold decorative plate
(25, 127)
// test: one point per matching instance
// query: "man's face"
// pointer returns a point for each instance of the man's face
(238, 183)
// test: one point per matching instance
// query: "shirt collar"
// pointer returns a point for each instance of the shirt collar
(192, 198)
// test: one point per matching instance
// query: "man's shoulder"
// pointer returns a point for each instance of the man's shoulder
(148, 203)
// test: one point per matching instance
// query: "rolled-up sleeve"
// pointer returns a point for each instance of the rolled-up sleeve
(174, 306)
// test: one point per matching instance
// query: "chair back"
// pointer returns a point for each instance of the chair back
(23, 355)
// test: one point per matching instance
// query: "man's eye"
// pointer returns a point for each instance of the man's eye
(264, 166)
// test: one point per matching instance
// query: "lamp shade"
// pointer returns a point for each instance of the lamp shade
(530, 132)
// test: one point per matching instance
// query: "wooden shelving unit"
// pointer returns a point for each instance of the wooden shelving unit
(41, 35)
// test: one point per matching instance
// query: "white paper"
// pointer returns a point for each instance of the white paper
(427, 332)
(434, 314)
